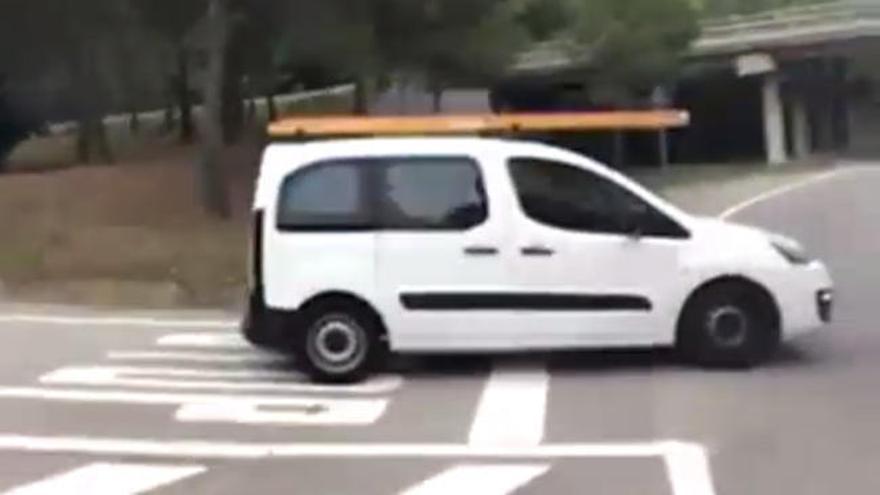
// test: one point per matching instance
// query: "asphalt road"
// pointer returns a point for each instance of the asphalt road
(177, 404)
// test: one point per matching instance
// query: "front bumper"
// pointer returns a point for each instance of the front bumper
(805, 297)
(825, 304)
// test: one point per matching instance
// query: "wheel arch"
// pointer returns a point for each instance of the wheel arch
(348, 298)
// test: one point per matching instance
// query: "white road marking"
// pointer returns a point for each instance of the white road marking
(687, 468)
(243, 358)
(243, 450)
(243, 409)
(739, 207)
(511, 409)
(320, 413)
(485, 479)
(687, 463)
(159, 398)
(170, 378)
(105, 373)
(109, 479)
(115, 321)
(207, 340)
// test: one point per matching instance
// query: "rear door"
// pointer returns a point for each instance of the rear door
(320, 233)
(442, 251)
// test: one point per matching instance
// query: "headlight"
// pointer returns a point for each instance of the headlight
(790, 249)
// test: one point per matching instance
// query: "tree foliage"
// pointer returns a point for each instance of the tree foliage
(251, 46)
(628, 46)
(173, 21)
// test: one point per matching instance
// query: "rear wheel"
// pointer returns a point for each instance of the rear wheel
(340, 342)
(729, 324)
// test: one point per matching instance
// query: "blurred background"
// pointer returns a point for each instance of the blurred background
(131, 130)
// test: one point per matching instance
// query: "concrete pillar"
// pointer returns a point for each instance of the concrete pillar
(800, 126)
(774, 121)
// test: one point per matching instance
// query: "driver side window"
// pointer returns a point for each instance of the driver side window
(571, 198)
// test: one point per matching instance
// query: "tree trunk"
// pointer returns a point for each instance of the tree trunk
(184, 98)
(83, 148)
(101, 141)
(168, 120)
(134, 122)
(98, 131)
(92, 135)
(271, 108)
(437, 99)
(251, 109)
(363, 90)
(212, 186)
(233, 106)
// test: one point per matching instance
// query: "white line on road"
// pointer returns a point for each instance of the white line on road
(485, 479)
(208, 340)
(159, 398)
(511, 409)
(739, 207)
(241, 450)
(687, 468)
(116, 321)
(106, 373)
(260, 380)
(109, 479)
(243, 358)
(337, 412)
(243, 409)
(687, 462)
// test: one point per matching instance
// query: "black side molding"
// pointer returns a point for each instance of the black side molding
(481, 301)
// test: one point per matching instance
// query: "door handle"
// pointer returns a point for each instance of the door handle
(537, 251)
(481, 251)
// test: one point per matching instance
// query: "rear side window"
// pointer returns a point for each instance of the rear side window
(326, 196)
(444, 193)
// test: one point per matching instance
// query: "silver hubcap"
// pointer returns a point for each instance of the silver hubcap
(337, 344)
(728, 326)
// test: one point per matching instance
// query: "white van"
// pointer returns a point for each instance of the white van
(454, 245)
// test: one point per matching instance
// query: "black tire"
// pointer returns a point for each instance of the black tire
(729, 324)
(340, 342)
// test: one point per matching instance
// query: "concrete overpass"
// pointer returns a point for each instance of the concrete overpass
(811, 70)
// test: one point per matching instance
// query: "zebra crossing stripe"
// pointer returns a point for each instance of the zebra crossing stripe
(212, 340)
(512, 408)
(109, 479)
(485, 479)
(241, 358)
(113, 321)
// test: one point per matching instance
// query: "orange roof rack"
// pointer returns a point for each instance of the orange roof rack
(477, 123)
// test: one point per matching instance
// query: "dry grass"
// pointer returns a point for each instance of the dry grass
(139, 223)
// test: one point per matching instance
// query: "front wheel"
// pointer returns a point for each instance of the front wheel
(729, 324)
(340, 343)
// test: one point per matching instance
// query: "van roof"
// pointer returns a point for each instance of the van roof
(325, 148)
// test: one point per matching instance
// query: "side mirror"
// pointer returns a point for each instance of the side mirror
(634, 220)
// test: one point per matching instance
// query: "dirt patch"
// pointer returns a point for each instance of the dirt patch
(123, 233)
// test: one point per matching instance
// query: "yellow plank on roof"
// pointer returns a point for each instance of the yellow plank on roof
(477, 123)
